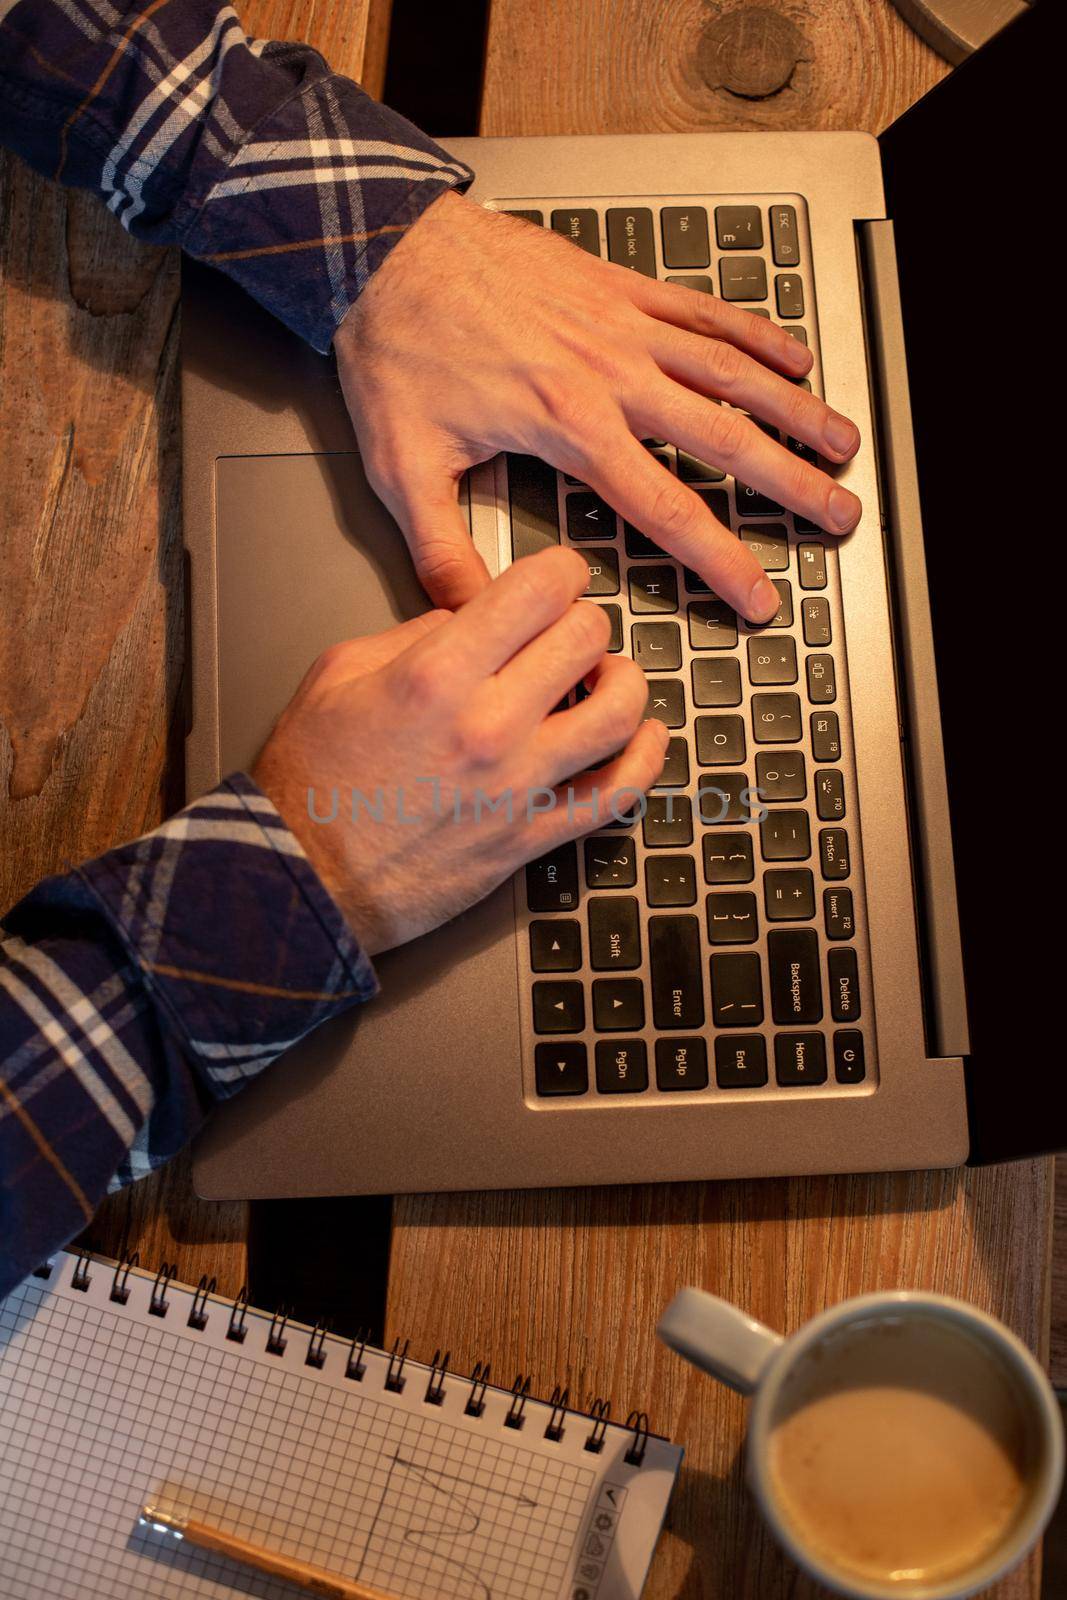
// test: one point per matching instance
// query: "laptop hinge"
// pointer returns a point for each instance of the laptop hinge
(924, 757)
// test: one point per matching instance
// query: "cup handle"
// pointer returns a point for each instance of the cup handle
(718, 1338)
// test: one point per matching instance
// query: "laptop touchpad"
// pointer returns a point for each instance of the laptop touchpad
(307, 556)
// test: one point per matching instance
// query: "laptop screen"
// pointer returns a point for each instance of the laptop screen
(976, 211)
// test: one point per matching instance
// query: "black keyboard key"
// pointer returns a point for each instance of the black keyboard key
(555, 946)
(740, 1061)
(717, 502)
(640, 546)
(799, 1059)
(838, 917)
(789, 894)
(668, 821)
(720, 741)
(816, 614)
(726, 798)
(552, 880)
(739, 227)
(666, 700)
(811, 564)
(712, 625)
(843, 980)
(743, 278)
(589, 517)
(675, 774)
(621, 1066)
(681, 1064)
(754, 503)
(781, 775)
(618, 1005)
(732, 917)
(610, 862)
(561, 1068)
(717, 681)
(677, 980)
(830, 794)
(685, 236)
(785, 240)
(797, 447)
(657, 646)
(603, 567)
(822, 682)
(558, 1007)
(785, 836)
(692, 470)
(800, 334)
(796, 992)
(630, 240)
(728, 858)
(670, 881)
(653, 589)
(736, 990)
(833, 853)
(534, 498)
(614, 616)
(776, 718)
(789, 294)
(825, 736)
(849, 1065)
(772, 660)
(614, 933)
(768, 544)
(582, 228)
(528, 216)
(697, 281)
(783, 617)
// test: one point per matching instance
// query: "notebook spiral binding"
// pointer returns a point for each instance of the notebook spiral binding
(205, 1305)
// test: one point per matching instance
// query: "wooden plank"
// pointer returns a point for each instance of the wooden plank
(568, 1284)
(622, 66)
(1058, 1333)
(91, 636)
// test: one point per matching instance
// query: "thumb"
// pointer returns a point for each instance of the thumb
(435, 527)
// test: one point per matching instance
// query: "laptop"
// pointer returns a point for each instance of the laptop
(834, 911)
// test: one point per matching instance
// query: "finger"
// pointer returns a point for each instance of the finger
(429, 516)
(531, 595)
(658, 503)
(715, 368)
(596, 798)
(733, 442)
(601, 724)
(537, 678)
(355, 658)
(718, 319)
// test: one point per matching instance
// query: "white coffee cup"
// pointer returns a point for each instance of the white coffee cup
(753, 1359)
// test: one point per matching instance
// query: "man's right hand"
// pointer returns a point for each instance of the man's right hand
(431, 723)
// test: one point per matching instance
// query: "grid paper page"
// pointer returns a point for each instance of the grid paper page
(104, 1407)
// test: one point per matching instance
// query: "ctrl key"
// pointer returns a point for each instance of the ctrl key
(681, 1064)
(552, 880)
(561, 1068)
(849, 1065)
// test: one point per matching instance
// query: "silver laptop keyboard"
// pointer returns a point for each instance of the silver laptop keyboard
(715, 945)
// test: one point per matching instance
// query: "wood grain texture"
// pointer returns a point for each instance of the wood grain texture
(91, 623)
(568, 1285)
(623, 66)
(1058, 1287)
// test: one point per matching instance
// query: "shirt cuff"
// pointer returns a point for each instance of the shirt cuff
(236, 940)
(311, 203)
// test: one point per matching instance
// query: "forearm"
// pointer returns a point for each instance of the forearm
(249, 154)
(141, 989)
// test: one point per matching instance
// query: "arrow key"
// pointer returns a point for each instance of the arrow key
(558, 1007)
(555, 946)
(561, 1068)
(618, 1004)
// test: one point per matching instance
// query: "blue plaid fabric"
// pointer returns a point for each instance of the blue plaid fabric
(249, 154)
(142, 988)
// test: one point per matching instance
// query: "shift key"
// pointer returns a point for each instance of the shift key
(796, 992)
(677, 978)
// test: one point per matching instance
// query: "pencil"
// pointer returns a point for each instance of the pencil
(331, 1585)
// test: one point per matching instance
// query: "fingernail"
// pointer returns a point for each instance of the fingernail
(840, 434)
(844, 508)
(763, 601)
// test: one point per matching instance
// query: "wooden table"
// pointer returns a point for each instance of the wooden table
(563, 1284)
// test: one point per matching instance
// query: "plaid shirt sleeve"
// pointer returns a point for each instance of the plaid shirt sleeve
(250, 155)
(141, 989)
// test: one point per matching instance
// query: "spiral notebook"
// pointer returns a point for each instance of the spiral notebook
(118, 1388)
